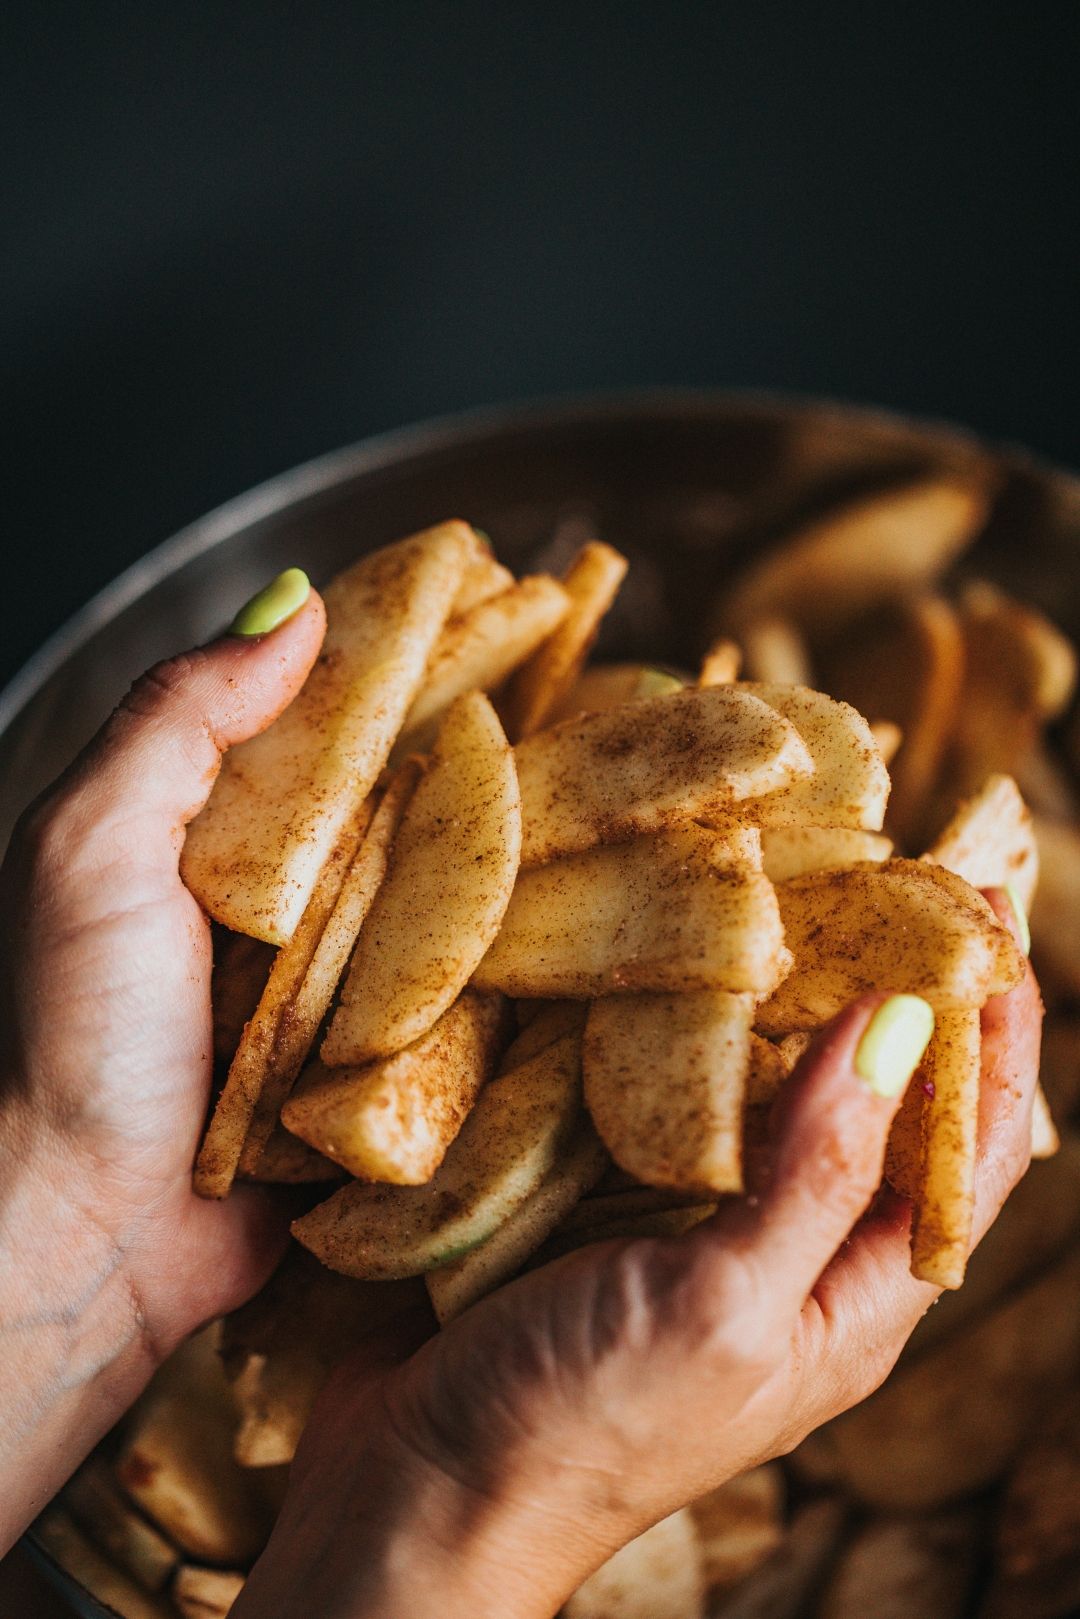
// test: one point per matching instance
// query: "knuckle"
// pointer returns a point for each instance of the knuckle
(722, 1307)
(160, 687)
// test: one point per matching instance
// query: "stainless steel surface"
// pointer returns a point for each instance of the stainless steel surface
(686, 483)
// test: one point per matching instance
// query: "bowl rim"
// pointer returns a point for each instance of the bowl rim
(440, 434)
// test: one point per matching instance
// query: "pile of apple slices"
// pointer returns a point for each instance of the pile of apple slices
(527, 996)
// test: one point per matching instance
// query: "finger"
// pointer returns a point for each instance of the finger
(150, 769)
(832, 1126)
(867, 1302)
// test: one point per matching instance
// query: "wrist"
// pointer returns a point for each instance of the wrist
(73, 1349)
(397, 1534)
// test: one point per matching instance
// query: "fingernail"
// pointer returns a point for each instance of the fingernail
(893, 1043)
(1021, 918)
(267, 611)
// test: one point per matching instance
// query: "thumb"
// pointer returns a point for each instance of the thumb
(151, 767)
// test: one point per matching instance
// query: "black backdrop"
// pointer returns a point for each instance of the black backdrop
(240, 234)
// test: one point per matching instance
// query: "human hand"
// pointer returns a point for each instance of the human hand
(490, 1469)
(105, 1036)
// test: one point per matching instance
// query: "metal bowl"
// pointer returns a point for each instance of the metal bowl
(686, 483)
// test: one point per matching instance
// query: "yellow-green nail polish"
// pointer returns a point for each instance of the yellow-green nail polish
(893, 1043)
(283, 597)
(1021, 918)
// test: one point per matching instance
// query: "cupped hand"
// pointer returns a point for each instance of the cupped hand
(489, 1470)
(105, 1040)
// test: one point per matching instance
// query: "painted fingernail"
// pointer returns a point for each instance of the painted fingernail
(1021, 918)
(893, 1043)
(267, 611)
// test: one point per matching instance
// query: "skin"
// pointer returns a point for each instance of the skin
(483, 1471)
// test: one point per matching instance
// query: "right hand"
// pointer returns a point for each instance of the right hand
(491, 1468)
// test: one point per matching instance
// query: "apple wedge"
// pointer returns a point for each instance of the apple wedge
(721, 664)
(253, 1061)
(848, 784)
(874, 548)
(664, 761)
(948, 1084)
(657, 1576)
(900, 925)
(393, 1119)
(679, 911)
(792, 851)
(206, 1593)
(482, 579)
(591, 583)
(95, 1501)
(514, 1136)
(446, 892)
(454, 1287)
(303, 1016)
(176, 1463)
(609, 685)
(665, 1080)
(253, 856)
(479, 649)
(990, 841)
(77, 1554)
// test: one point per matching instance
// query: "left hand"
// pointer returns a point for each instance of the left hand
(107, 1259)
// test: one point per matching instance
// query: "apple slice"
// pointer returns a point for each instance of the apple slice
(511, 1140)
(679, 911)
(479, 649)
(590, 582)
(990, 841)
(603, 778)
(206, 1593)
(253, 1062)
(393, 1119)
(848, 784)
(901, 926)
(446, 892)
(300, 1021)
(454, 1287)
(791, 851)
(609, 685)
(665, 1081)
(253, 856)
(874, 548)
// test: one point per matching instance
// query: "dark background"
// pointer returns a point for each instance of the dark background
(238, 235)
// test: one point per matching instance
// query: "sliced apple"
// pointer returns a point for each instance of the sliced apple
(602, 778)
(791, 851)
(848, 785)
(609, 685)
(253, 1062)
(990, 841)
(900, 925)
(479, 649)
(393, 1119)
(446, 892)
(721, 664)
(874, 548)
(454, 1287)
(511, 1140)
(254, 855)
(591, 583)
(303, 1016)
(665, 1081)
(679, 911)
